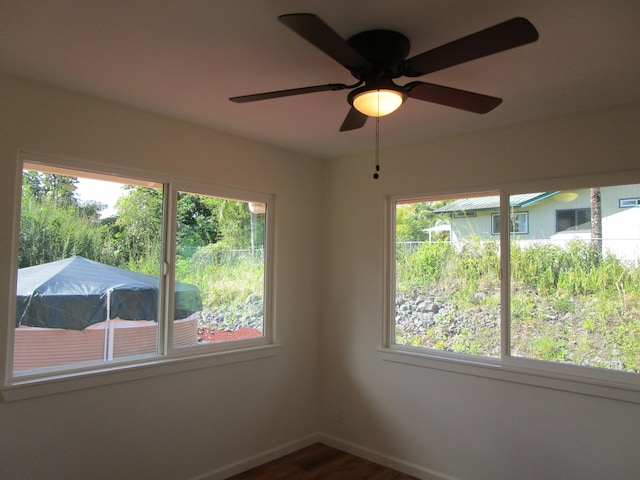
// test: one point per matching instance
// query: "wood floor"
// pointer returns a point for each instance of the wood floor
(321, 462)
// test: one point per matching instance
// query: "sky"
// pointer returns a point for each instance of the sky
(104, 192)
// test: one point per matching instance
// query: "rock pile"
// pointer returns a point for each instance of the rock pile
(421, 315)
(231, 318)
(416, 312)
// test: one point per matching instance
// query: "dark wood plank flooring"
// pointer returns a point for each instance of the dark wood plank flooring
(321, 462)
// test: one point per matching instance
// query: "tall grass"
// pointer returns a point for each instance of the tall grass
(575, 270)
(475, 265)
(225, 281)
(49, 232)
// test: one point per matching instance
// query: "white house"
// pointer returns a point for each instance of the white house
(554, 217)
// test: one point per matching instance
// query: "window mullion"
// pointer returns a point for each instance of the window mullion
(505, 278)
(165, 319)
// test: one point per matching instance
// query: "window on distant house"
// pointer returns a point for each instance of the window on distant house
(573, 220)
(629, 202)
(93, 291)
(570, 301)
(519, 223)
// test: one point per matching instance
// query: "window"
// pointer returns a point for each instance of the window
(629, 202)
(92, 290)
(519, 223)
(567, 303)
(220, 247)
(573, 220)
(447, 294)
(465, 214)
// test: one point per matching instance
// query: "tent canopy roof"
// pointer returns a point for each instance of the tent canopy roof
(76, 292)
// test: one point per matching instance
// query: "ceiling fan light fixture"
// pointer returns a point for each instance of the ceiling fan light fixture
(377, 102)
(377, 57)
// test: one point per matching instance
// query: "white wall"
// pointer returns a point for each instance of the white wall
(329, 281)
(189, 424)
(443, 424)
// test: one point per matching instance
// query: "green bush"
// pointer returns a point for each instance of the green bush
(431, 261)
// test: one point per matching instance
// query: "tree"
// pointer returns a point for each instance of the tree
(413, 220)
(56, 225)
(137, 232)
(32, 184)
(197, 225)
(234, 222)
(91, 210)
(59, 189)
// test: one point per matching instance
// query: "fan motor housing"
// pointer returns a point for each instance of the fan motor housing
(385, 49)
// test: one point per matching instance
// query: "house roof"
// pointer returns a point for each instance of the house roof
(492, 202)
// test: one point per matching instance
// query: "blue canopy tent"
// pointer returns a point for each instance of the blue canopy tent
(76, 292)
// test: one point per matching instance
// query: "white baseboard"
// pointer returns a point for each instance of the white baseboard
(258, 459)
(290, 447)
(386, 460)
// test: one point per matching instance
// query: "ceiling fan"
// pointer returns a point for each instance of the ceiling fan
(376, 57)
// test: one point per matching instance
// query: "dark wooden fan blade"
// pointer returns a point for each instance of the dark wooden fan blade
(353, 120)
(506, 35)
(452, 97)
(288, 93)
(315, 31)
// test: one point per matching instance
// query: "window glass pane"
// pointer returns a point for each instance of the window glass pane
(519, 223)
(575, 299)
(629, 202)
(495, 224)
(220, 249)
(565, 219)
(88, 279)
(583, 219)
(447, 294)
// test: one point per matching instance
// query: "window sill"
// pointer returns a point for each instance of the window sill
(20, 389)
(623, 386)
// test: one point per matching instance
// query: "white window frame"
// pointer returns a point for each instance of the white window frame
(169, 360)
(624, 386)
(628, 202)
(511, 215)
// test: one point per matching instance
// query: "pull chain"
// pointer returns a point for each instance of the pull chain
(376, 175)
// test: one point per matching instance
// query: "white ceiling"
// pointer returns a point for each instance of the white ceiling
(185, 58)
